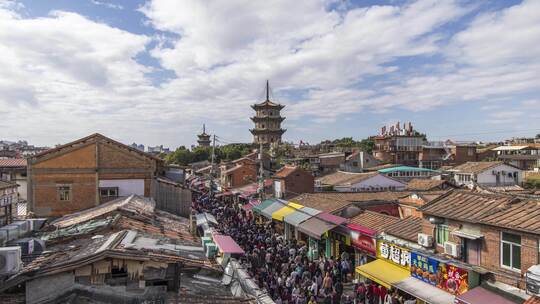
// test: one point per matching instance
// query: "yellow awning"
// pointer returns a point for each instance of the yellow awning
(383, 272)
(283, 212)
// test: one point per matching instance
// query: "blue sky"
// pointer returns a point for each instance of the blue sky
(153, 71)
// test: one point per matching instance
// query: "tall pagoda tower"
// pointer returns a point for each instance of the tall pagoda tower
(267, 121)
(204, 139)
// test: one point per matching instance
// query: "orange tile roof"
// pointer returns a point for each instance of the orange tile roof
(12, 162)
(285, 171)
(374, 220)
(422, 184)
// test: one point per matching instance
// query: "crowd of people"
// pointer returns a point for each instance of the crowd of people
(282, 267)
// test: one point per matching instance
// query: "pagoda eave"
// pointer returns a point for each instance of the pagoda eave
(265, 131)
(267, 118)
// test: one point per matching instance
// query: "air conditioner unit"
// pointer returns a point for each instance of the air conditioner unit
(532, 280)
(451, 249)
(3, 238)
(10, 260)
(36, 224)
(26, 245)
(24, 227)
(12, 232)
(425, 240)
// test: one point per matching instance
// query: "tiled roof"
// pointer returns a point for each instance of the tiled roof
(374, 220)
(533, 300)
(285, 171)
(467, 206)
(345, 178)
(421, 184)
(12, 162)
(333, 201)
(476, 167)
(523, 216)
(407, 228)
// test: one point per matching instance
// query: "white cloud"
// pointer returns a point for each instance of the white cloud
(67, 75)
(108, 4)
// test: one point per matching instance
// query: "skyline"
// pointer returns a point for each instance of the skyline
(153, 72)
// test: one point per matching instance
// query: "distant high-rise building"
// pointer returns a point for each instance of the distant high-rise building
(204, 139)
(267, 121)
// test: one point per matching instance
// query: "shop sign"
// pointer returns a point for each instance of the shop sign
(393, 253)
(364, 242)
(453, 279)
(424, 268)
(447, 277)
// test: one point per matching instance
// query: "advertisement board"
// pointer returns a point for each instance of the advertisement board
(424, 268)
(447, 277)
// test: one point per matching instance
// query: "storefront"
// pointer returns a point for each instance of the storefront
(316, 229)
(392, 265)
(435, 281)
(280, 214)
(293, 220)
(364, 243)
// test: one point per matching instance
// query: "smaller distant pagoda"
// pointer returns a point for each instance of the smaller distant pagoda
(204, 139)
(267, 121)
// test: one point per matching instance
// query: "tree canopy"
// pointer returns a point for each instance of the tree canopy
(365, 144)
(184, 156)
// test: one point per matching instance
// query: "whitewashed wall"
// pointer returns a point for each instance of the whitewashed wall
(126, 187)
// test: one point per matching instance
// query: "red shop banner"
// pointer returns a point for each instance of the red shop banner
(452, 279)
(364, 242)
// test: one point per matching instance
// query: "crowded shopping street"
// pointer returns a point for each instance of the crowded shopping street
(282, 267)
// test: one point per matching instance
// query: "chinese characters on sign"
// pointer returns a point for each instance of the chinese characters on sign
(454, 280)
(394, 254)
(424, 268)
(446, 277)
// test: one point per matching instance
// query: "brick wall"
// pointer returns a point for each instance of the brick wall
(299, 181)
(77, 167)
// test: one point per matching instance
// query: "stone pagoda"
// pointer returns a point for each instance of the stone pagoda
(204, 139)
(267, 121)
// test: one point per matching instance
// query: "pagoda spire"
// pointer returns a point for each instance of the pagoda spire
(267, 91)
(203, 129)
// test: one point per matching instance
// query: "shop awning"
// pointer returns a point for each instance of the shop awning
(300, 216)
(383, 272)
(338, 220)
(467, 234)
(283, 212)
(315, 227)
(480, 295)
(262, 205)
(226, 244)
(275, 206)
(424, 291)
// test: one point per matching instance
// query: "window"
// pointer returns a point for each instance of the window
(108, 192)
(64, 192)
(511, 251)
(442, 233)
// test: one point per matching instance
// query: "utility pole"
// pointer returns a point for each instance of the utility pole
(261, 172)
(212, 164)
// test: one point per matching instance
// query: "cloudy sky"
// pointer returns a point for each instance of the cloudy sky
(154, 71)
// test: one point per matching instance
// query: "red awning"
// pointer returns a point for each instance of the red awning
(226, 244)
(481, 295)
(362, 229)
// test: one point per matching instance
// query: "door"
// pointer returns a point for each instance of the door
(472, 249)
